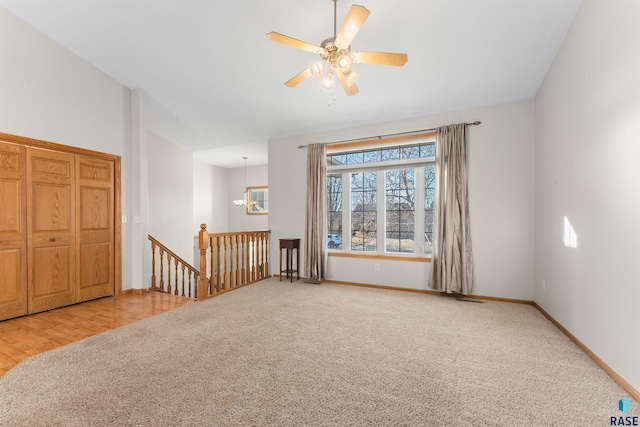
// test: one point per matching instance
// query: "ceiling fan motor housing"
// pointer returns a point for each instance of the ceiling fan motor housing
(332, 53)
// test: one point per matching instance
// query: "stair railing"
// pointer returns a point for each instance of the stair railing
(227, 261)
(185, 276)
(234, 259)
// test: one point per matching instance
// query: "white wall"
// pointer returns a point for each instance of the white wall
(49, 93)
(171, 196)
(238, 220)
(210, 199)
(501, 200)
(586, 168)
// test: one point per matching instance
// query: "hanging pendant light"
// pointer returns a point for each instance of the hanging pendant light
(242, 202)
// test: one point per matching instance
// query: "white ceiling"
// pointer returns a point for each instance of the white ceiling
(217, 84)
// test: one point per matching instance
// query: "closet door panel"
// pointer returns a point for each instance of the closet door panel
(13, 297)
(95, 207)
(13, 232)
(53, 275)
(51, 225)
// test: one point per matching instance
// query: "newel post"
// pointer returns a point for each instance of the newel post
(203, 244)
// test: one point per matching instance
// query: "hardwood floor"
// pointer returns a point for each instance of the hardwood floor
(27, 336)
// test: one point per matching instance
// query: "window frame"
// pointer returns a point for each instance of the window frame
(418, 164)
(261, 200)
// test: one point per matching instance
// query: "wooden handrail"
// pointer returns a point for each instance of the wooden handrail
(173, 255)
(182, 288)
(235, 233)
(233, 259)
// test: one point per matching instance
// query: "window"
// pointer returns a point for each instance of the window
(257, 200)
(389, 192)
(334, 210)
(429, 201)
(364, 211)
(400, 210)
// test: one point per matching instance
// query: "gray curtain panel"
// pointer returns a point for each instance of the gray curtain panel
(452, 258)
(315, 252)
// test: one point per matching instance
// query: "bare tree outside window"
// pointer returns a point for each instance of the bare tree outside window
(334, 210)
(364, 211)
(400, 210)
(429, 200)
(395, 168)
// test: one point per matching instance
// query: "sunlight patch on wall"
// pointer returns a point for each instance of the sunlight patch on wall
(570, 236)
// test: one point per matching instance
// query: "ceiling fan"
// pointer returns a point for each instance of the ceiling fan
(336, 55)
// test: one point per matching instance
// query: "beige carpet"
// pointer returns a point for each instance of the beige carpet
(282, 354)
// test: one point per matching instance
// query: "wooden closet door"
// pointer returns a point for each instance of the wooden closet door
(13, 232)
(51, 225)
(95, 225)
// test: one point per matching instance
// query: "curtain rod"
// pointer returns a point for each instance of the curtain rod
(388, 135)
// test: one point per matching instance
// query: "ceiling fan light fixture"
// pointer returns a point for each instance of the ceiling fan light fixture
(344, 62)
(335, 53)
(316, 68)
(328, 81)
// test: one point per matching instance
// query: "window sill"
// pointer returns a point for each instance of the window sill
(414, 258)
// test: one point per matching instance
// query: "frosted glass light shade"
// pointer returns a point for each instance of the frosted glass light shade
(344, 63)
(316, 68)
(328, 81)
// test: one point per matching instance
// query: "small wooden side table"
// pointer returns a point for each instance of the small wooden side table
(290, 245)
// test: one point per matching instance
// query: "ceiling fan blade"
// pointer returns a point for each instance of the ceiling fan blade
(298, 78)
(350, 90)
(381, 58)
(281, 38)
(351, 25)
